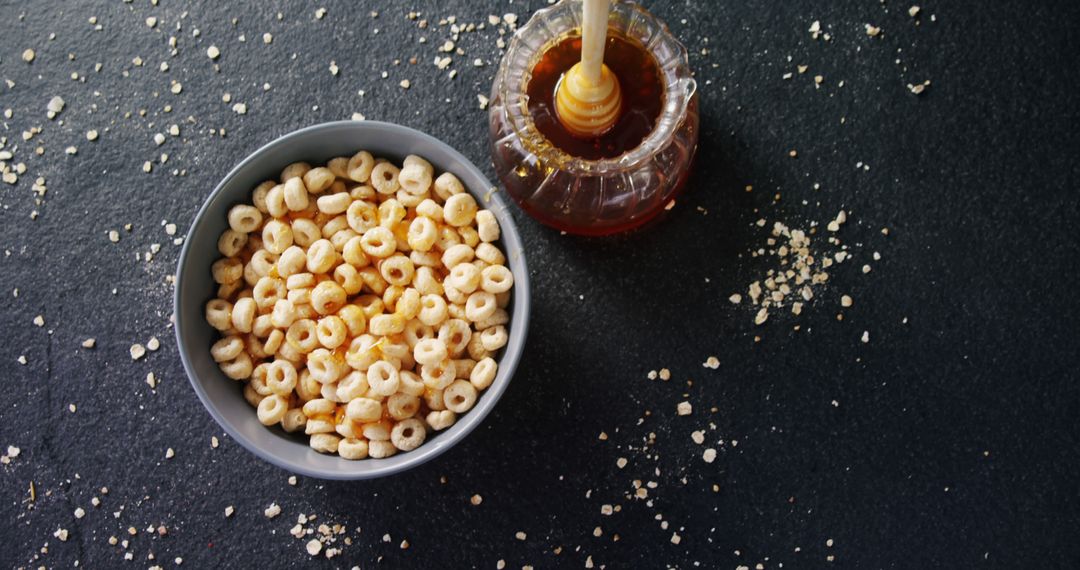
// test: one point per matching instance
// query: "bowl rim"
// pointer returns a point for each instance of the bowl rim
(508, 362)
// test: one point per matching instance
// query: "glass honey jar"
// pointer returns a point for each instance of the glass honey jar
(626, 176)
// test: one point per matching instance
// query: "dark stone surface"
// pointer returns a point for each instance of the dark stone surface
(952, 442)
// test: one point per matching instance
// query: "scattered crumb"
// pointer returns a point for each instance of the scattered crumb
(709, 455)
(918, 88)
(229, 510)
(272, 511)
(476, 500)
(137, 351)
(89, 343)
(684, 409)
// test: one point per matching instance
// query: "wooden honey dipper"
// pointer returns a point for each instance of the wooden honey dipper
(588, 100)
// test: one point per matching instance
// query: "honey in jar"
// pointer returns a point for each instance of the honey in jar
(642, 96)
(620, 174)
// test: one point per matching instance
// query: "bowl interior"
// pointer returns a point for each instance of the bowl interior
(223, 397)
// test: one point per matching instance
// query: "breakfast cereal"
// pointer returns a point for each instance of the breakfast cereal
(361, 303)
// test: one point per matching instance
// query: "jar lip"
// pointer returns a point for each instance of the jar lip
(675, 71)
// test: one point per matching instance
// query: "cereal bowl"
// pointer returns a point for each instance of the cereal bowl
(195, 287)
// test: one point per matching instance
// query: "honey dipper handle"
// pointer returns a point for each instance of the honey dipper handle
(594, 24)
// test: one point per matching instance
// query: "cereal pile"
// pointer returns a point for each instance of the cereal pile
(361, 303)
(801, 268)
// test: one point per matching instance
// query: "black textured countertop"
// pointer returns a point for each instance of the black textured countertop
(948, 440)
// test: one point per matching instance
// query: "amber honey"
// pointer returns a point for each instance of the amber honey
(642, 92)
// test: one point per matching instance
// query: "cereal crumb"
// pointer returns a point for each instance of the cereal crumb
(913, 11)
(213, 52)
(665, 374)
(56, 104)
(709, 455)
(698, 436)
(91, 135)
(137, 351)
(229, 510)
(153, 344)
(292, 480)
(918, 88)
(151, 380)
(404, 84)
(621, 462)
(169, 453)
(62, 534)
(314, 547)
(761, 316)
(214, 442)
(520, 535)
(675, 538)
(684, 409)
(39, 321)
(476, 500)
(268, 38)
(272, 511)
(711, 362)
(28, 55)
(845, 301)
(735, 299)
(865, 337)
(89, 343)
(483, 101)
(240, 108)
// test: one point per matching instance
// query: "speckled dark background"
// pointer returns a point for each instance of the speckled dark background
(946, 442)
